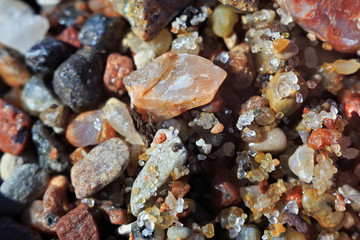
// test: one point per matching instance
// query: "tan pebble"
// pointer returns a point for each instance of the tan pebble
(218, 128)
(273, 141)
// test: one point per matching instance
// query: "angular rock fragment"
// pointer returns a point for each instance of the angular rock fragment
(165, 156)
(100, 167)
(172, 84)
(12, 67)
(78, 224)
(78, 80)
(14, 128)
(22, 187)
(243, 6)
(148, 17)
(53, 155)
(114, 214)
(11, 230)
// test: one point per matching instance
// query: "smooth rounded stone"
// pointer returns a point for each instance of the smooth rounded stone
(12, 67)
(273, 141)
(147, 18)
(89, 128)
(100, 167)
(249, 232)
(164, 158)
(11, 162)
(32, 217)
(118, 115)
(341, 30)
(37, 97)
(20, 28)
(223, 20)
(102, 33)
(283, 91)
(14, 128)
(24, 185)
(53, 155)
(177, 232)
(301, 163)
(172, 84)
(78, 224)
(46, 55)
(11, 230)
(78, 81)
(55, 116)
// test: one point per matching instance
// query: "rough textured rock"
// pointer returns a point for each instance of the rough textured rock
(101, 166)
(172, 84)
(12, 67)
(102, 33)
(148, 17)
(78, 80)
(335, 22)
(22, 187)
(14, 128)
(46, 55)
(165, 157)
(37, 97)
(243, 6)
(114, 214)
(53, 155)
(78, 224)
(11, 230)
(11, 162)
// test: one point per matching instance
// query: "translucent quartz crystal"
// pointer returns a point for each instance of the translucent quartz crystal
(120, 119)
(172, 84)
(301, 163)
(20, 28)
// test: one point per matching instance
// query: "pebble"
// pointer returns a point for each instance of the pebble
(161, 163)
(10, 162)
(249, 232)
(178, 232)
(24, 185)
(20, 28)
(12, 67)
(114, 215)
(301, 163)
(36, 96)
(78, 224)
(100, 167)
(55, 116)
(118, 116)
(11, 230)
(172, 84)
(46, 55)
(14, 128)
(224, 191)
(223, 20)
(70, 35)
(282, 90)
(273, 141)
(144, 20)
(53, 155)
(78, 81)
(180, 189)
(55, 200)
(239, 66)
(341, 30)
(32, 217)
(102, 33)
(89, 128)
(117, 67)
(244, 6)
(78, 154)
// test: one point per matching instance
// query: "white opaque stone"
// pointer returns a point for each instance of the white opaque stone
(301, 163)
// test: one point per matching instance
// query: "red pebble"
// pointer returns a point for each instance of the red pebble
(117, 67)
(224, 192)
(78, 224)
(14, 128)
(323, 137)
(351, 102)
(335, 22)
(180, 189)
(70, 36)
(113, 214)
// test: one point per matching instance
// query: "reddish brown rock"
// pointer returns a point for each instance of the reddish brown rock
(180, 189)
(335, 22)
(117, 67)
(14, 128)
(70, 36)
(224, 192)
(55, 200)
(113, 214)
(78, 224)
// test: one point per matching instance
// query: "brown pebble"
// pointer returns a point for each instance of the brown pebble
(32, 217)
(180, 188)
(55, 200)
(295, 220)
(78, 224)
(78, 154)
(113, 214)
(218, 128)
(14, 128)
(117, 67)
(70, 36)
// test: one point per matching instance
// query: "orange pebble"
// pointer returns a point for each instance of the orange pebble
(218, 128)
(161, 137)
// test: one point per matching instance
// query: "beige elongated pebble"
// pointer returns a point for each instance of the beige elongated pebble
(177, 232)
(273, 141)
(301, 163)
(167, 153)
